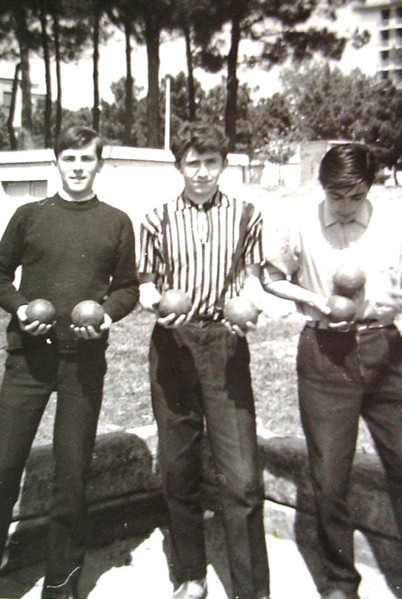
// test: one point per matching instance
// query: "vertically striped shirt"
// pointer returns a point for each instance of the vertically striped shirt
(191, 248)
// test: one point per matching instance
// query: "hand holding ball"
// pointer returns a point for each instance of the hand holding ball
(348, 280)
(88, 313)
(174, 301)
(342, 309)
(239, 311)
(41, 310)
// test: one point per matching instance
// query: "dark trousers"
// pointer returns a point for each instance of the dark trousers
(29, 380)
(201, 374)
(343, 376)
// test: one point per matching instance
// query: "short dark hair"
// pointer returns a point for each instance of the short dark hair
(202, 136)
(78, 137)
(347, 164)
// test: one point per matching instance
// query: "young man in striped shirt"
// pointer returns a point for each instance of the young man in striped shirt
(203, 243)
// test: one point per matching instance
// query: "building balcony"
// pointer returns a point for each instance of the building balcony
(392, 46)
(391, 23)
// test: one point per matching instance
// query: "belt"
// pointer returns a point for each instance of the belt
(202, 321)
(352, 327)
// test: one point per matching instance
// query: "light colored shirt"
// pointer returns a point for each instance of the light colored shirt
(312, 244)
(199, 244)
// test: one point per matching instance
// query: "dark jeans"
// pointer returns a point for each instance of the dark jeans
(29, 380)
(343, 376)
(202, 373)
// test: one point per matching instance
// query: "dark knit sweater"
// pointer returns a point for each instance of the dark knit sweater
(69, 252)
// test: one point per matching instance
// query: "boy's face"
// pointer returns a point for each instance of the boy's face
(345, 202)
(201, 173)
(78, 169)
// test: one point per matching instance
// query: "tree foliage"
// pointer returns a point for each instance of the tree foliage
(280, 27)
(273, 118)
(318, 102)
(114, 117)
(328, 104)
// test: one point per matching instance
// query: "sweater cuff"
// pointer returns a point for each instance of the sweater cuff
(147, 277)
(10, 302)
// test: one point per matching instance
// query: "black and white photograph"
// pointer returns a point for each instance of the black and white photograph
(200, 299)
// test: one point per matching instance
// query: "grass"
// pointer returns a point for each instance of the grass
(127, 399)
(273, 348)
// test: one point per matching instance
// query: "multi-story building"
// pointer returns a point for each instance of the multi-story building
(383, 19)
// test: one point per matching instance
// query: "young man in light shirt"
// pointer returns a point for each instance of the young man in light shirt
(349, 368)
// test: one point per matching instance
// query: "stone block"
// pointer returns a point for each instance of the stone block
(287, 481)
(123, 464)
(287, 484)
(125, 497)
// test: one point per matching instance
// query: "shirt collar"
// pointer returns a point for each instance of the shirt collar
(362, 217)
(217, 199)
(65, 196)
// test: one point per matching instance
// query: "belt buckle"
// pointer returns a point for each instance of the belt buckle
(367, 326)
(345, 327)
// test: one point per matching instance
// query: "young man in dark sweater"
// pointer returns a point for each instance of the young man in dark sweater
(71, 248)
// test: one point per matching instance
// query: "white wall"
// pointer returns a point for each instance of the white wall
(132, 179)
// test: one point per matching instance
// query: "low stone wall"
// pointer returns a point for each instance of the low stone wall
(287, 482)
(124, 495)
(125, 499)
(123, 465)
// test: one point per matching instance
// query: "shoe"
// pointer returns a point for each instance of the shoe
(337, 594)
(191, 589)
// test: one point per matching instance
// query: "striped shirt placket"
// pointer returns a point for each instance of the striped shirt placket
(199, 244)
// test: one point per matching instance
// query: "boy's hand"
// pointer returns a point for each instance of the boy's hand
(171, 321)
(342, 313)
(149, 300)
(149, 296)
(343, 325)
(389, 304)
(34, 328)
(320, 303)
(90, 332)
(235, 329)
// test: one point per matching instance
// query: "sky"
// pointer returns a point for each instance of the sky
(77, 77)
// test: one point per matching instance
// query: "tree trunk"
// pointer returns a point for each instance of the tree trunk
(152, 35)
(192, 108)
(128, 108)
(48, 99)
(26, 112)
(95, 109)
(11, 114)
(59, 112)
(232, 84)
(395, 174)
